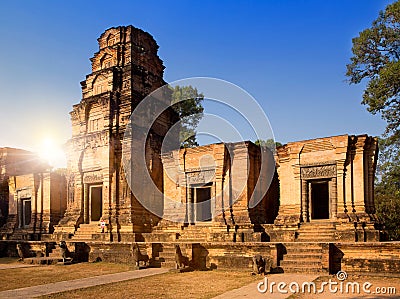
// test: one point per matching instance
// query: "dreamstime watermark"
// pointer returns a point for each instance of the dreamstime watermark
(335, 287)
(232, 116)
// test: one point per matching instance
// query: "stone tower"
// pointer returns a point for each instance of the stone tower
(124, 70)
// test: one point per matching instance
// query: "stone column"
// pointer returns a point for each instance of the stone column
(297, 192)
(371, 160)
(194, 199)
(189, 204)
(341, 207)
(333, 198)
(86, 203)
(304, 200)
(371, 176)
(359, 177)
(219, 206)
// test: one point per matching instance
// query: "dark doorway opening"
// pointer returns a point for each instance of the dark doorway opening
(26, 212)
(96, 202)
(200, 209)
(320, 200)
(203, 199)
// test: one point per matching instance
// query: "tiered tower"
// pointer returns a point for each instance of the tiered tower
(124, 70)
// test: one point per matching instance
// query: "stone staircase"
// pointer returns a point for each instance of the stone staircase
(54, 257)
(194, 233)
(303, 258)
(316, 232)
(85, 232)
(163, 255)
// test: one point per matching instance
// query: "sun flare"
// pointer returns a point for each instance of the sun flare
(52, 152)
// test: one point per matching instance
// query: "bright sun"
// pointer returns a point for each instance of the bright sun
(52, 153)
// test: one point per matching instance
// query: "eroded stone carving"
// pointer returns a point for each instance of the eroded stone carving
(323, 171)
(71, 189)
(181, 261)
(20, 251)
(200, 177)
(93, 177)
(138, 256)
(258, 264)
(65, 253)
(261, 265)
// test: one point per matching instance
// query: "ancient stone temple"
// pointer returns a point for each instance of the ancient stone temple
(220, 204)
(37, 202)
(14, 162)
(124, 70)
(327, 183)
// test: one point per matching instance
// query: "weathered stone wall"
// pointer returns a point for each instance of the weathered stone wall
(236, 178)
(8, 248)
(46, 192)
(15, 162)
(233, 255)
(382, 257)
(350, 257)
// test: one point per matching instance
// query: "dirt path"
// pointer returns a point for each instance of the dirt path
(251, 290)
(14, 266)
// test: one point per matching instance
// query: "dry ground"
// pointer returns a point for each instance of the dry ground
(197, 284)
(379, 281)
(32, 276)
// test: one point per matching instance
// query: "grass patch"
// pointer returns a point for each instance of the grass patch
(197, 284)
(32, 276)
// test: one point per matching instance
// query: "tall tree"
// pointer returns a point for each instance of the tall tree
(187, 102)
(376, 60)
(376, 53)
(387, 189)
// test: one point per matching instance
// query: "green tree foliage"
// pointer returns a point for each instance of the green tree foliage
(270, 143)
(376, 54)
(387, 189)
(187, 102)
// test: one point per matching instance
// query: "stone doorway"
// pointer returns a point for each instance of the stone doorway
(318, 192)
(320, 207)
(201, 199)
(26, 212)
(96, 202)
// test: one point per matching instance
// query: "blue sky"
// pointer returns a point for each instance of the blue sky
(290, 56)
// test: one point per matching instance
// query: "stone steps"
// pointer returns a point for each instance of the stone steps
(165, 258)
(301, 269)
(47, 260)
(316, 232)
(304, 250)
(85, 232)
(292, 262)
(305, 255)
(302, 258)
(194, 233)
(311, 238)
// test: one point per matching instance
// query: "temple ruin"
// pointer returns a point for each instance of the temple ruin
(319, 196)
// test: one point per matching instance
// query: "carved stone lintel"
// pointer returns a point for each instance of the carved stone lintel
(24, 193)
(316, 172)
(200, 177)
(93, 177)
